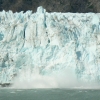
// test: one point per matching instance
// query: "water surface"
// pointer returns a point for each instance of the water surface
(49, 94)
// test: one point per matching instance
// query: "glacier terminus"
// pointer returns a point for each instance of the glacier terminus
(49, 43)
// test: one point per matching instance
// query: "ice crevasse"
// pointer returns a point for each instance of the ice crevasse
(49, 42)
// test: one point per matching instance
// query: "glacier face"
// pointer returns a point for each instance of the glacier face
(49, 42)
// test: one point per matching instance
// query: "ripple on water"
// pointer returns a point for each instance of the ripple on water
(12, 92)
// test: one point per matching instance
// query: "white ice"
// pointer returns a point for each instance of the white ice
(49, 43)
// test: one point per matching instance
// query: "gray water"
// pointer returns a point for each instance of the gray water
(49, 94)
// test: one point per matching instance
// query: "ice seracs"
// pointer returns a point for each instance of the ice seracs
(49, 42)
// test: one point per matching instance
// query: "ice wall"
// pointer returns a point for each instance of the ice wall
(49, 42)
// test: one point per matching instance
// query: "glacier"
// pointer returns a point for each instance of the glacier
(47, 43)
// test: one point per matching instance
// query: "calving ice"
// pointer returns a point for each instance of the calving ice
(49, 46)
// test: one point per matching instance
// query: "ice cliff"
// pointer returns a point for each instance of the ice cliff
(49, 42)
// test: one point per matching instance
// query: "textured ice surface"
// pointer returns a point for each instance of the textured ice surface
(49, 42)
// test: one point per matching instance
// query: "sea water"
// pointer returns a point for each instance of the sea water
(49, 94)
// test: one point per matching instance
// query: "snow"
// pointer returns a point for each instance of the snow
(49, 42)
